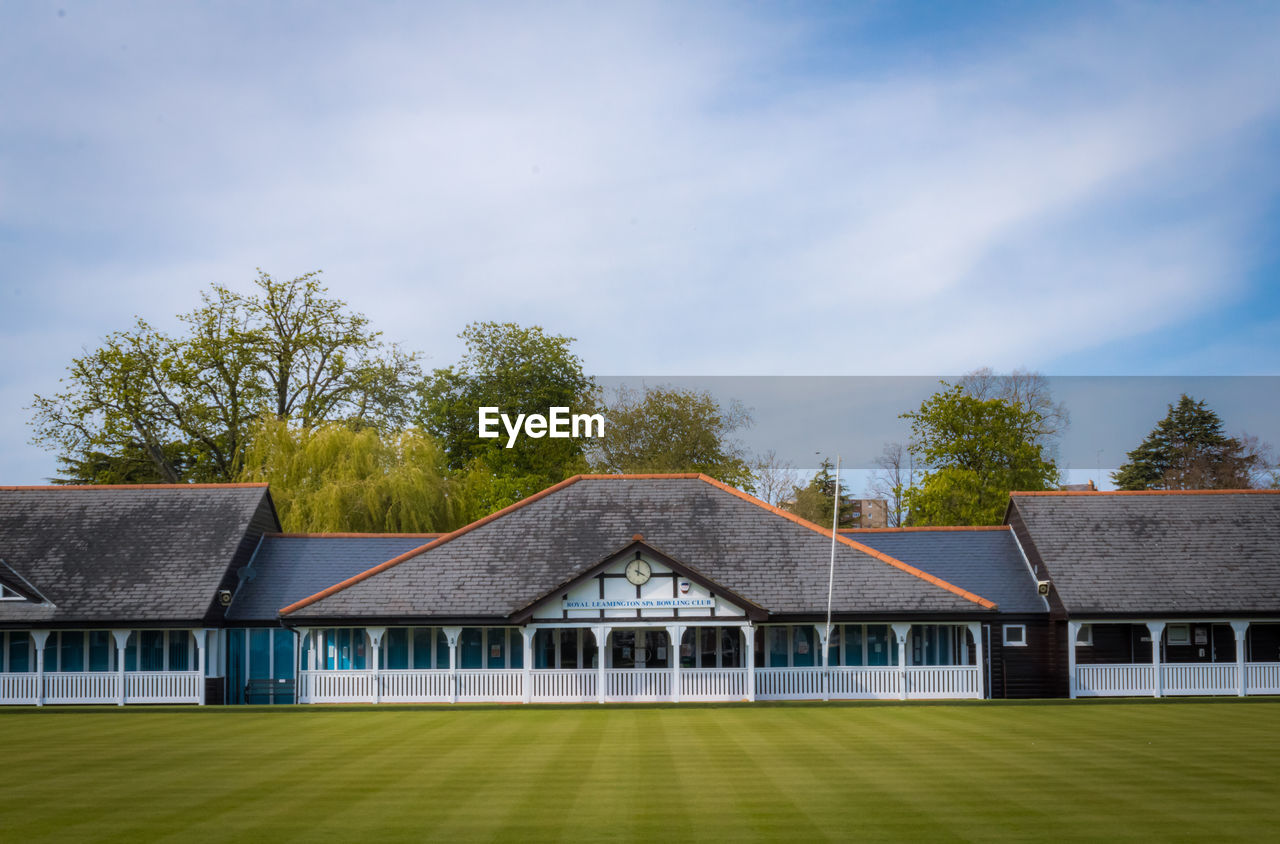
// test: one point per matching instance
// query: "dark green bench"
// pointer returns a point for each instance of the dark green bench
(272, 689)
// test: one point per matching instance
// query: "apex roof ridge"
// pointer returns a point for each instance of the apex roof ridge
(567, 482)
(924, 528)
(1085, 492)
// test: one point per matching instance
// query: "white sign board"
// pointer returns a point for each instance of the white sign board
(640, 604)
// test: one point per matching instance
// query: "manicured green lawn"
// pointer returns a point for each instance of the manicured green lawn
(1137, 770)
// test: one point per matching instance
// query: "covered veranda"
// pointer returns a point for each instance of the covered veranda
(561, 662)
(1173, 657)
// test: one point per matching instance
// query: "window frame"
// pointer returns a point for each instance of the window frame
(1009, 643)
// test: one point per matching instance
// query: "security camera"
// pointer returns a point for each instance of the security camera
(224, 597)
(1042, 587)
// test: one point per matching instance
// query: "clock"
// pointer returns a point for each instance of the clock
(638, 572)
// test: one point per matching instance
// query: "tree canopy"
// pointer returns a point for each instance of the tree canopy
(974, 453)
(816, 500)
(517, 370)
(186, 402)
(663, 429)
(1189, 450)
(336, 477)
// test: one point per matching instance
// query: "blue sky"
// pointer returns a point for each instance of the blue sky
(1087, 189)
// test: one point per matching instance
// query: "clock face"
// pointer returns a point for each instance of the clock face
(638, 572)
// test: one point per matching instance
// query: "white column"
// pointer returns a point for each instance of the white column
(375, 641)
(900, 632)
(749, 637)
(302, 634)
(1157, 633)
(601, 632)
(122, 640)
(526, 634)
(1073, 634)
(200, 663)
(451, 635)
(1240, 628)
(675, 633)
(822, 643)
(38, 638)
(975, 630)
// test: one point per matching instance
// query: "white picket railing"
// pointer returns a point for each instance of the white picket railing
(713, 683)
(1262, 678)
(864, 683)
(82, 687)
(564, 685)
(335, 687)
(788, 683)
(939, 682)
(415, 686)
(498, 684)
(1116, 680)
(162, 686)
(89, 687)
(18, 689)
(637, 684)
(1220, 678)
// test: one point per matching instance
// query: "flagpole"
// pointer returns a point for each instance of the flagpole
(831, 579)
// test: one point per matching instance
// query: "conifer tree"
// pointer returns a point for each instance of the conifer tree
(1188, 450)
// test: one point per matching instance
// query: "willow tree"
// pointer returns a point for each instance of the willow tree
(337, 477)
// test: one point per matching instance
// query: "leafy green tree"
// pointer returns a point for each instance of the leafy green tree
(974, 453)
(1188, 450)
(816, 500)
(188, 401)
(336, 477)
(517, 370)
(663, 429)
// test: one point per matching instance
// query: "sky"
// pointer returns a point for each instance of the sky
(687, 189)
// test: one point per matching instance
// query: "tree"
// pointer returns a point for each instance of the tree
(1188, 450)
(339, 477)
(517, 370)
(893, 477)
(773, 478)
(815, 501)
(974, 452)
(187, 402)
(1024, 389)
(663, 429)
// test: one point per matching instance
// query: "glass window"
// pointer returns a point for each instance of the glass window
(709, 638)
(730, 647)
(470, 650)
(589, 650)
(422, 640)
(1015, 635)
(495, 643)
(569, 647)
(442, 648)
(878, 645)
(259, 654)
(359, 649)
(72, 650)
(19, 651)
(395, 648)
(100, 647)
(282, 647)
(51, 652)
(779, 649)
(656, 654)
(688, 657)
(179, 650)
(544, 649)
(623, 652)
(516, 645)
(803, 645)
(1085, 636)
(151, 652)
(852, 644)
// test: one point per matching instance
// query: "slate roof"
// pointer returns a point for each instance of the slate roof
(1157, 553)
(506, 562)
(288, 568)
(987, 562)
(126, 554)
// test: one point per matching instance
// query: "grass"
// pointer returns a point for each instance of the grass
(1169, 770)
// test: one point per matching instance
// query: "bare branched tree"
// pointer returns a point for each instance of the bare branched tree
(1027, 390)
(895, 473)
(775, 478)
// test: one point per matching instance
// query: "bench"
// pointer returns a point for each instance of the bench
(271, 688)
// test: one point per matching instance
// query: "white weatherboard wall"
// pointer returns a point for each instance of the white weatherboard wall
(659, 597)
